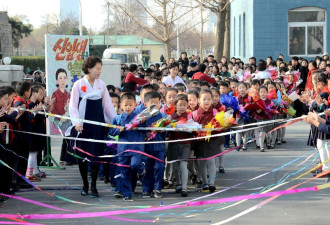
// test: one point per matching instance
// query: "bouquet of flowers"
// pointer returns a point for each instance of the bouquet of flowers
(147, 113)
(229, 102)
(221, 120)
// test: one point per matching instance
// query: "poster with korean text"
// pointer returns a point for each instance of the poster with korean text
(64, 58)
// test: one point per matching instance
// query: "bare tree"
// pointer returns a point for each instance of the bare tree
(221, 9)
(167, 15)
(200, 33)
(120, 22)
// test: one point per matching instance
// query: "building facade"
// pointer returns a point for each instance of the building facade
(6, 44)
(263, 28)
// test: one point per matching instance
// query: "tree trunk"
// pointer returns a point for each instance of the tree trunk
(226, 50)
(167, 50)
(220, 34)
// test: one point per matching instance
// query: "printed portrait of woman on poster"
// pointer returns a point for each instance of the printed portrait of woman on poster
(61, 97)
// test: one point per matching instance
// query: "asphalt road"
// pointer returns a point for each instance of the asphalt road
(302, 208)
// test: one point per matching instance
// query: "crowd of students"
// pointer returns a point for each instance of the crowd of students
(181, 91)
(19, 149)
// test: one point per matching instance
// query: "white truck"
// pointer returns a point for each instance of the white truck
(125, 55)
(112, 60)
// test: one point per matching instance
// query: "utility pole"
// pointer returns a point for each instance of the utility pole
(116, 30)
(80, 19)
(108, 24)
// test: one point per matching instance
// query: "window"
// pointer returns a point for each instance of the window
(240, 35)
(307, 31)
(121, 57)
(244, 27)
(234, 36)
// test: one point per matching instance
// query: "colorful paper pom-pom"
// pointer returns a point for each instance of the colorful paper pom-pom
(84, 89)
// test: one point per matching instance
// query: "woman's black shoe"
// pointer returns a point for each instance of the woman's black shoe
(94, 191)
(84, 191)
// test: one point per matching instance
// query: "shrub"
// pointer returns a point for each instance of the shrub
(31, 62)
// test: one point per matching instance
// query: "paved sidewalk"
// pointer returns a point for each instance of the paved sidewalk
(303, 208)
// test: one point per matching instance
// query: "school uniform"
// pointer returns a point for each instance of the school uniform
(211, 147)
(8, 157)
(180, 151)
(263, 130)
(10, 142)
(38, 142)
(242, 100)
(153, 178)
(224, 140)
(207, 148)
(140, 108)
(128, 158)
(23, 140)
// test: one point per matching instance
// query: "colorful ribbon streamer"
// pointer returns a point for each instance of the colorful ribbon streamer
(320, 187)
(67, 210)
(147, 128)
(153, 209)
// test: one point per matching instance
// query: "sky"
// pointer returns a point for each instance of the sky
(94, 15)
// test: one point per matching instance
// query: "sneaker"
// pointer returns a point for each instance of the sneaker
(146, 195)
(193, 179)
(140, 176)
(282, 141)
(212, 189)
(128, 199)
(118, 194)
(166, 184)
(158, 194)
(257, 146)
(40, 175)
(226, 146)
(34, 178)
(206, 187)
(184, 193)
(101, 178)
(244, 148)
(268, 146)
(221, 169)
(178, 188)
(262, 149)
(272, 146)
(317, 170)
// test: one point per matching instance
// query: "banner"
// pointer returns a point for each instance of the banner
(64, 58)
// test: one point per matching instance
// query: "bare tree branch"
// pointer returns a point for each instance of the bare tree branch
(150, 12)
